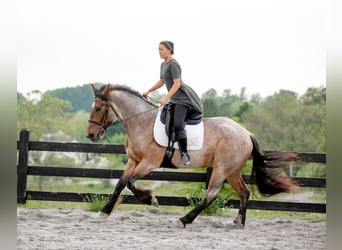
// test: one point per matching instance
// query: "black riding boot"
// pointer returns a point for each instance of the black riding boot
(183, 143)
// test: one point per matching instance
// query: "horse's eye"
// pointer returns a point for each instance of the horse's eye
(97, 109)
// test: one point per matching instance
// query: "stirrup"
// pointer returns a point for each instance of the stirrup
(185, 159)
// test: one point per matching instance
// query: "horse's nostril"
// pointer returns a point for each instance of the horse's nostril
(90, 136)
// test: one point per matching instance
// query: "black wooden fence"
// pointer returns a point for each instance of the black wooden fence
(24, 145)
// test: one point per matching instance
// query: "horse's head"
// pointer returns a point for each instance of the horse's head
(102, 114)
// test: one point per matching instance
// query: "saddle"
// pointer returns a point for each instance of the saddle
(193, 118)
(166, 118)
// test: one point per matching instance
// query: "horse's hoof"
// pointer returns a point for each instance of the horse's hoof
(102, 215)
(154, 201)
(240, 219)
(179, 224)
(238, 224)
(233, 225)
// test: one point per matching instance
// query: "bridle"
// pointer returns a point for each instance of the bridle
(104, 124)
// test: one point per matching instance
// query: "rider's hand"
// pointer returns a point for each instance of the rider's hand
(145, 94)
(162, 102)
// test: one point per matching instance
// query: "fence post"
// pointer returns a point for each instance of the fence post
(22, 165)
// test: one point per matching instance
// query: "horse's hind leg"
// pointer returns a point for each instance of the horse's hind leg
(238, 184)
(214, 187)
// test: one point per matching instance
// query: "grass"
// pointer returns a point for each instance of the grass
(96, 202)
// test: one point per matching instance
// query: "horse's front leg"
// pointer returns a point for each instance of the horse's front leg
(108, 207)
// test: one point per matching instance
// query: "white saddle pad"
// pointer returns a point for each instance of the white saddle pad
(194, 134)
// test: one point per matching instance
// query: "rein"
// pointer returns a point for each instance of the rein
(104, 125)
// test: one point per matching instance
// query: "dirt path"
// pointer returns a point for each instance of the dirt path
(79, 229)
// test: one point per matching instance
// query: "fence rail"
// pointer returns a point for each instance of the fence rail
(24, 145)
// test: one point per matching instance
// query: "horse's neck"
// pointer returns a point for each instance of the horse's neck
(132, 110)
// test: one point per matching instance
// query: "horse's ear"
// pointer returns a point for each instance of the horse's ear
(94, 89)
(106, 91)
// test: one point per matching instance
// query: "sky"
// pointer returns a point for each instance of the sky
(263, 46)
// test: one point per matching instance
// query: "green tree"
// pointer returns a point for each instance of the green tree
(228, 104)
(81, 97)
(211, 93)
(282, 122)
(210, 107)
(314, 96)
(317, 97)
(76, 125)
(322, 147)
(256, 99)
(42, 114)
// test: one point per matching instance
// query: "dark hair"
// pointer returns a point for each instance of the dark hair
(169, 45)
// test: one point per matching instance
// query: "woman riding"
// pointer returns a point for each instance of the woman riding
(181, 96)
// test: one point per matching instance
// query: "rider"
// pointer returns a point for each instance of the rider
(181, 95)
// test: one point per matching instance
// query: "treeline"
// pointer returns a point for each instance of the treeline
(283, 121)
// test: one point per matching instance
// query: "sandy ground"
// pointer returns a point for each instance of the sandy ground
(149, 229)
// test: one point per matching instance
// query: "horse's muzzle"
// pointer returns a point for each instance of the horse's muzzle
(91, 137)
(95, 137)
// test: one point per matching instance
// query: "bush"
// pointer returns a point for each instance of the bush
(96, 202)
(218, 205)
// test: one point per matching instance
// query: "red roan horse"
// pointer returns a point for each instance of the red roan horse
(226, 148)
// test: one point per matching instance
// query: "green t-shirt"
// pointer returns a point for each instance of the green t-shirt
(185, 95)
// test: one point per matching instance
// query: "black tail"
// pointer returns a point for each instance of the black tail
(267, 168)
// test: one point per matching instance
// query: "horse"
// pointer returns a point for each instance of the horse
(226, 148)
